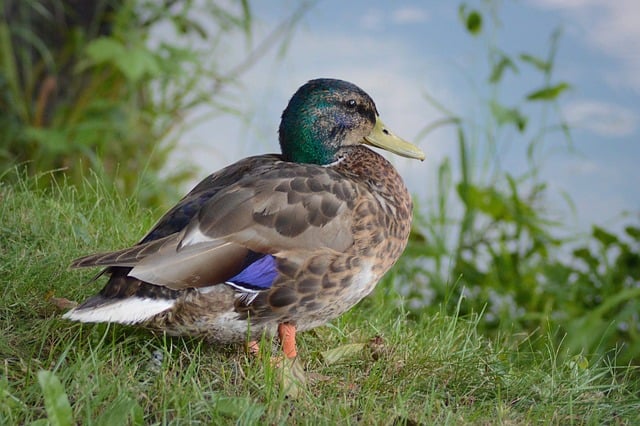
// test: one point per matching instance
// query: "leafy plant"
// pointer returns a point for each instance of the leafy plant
(601, 303)
(107, 85)
(488, 238)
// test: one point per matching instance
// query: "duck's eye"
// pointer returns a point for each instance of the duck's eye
(351, 103)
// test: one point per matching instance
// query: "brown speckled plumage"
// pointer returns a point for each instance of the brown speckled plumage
(332, 230)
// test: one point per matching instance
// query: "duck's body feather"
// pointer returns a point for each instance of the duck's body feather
(272, 242)
(331, 231)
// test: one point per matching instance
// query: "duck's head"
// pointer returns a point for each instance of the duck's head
(325, 115)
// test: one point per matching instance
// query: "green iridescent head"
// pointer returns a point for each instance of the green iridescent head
(326, 114)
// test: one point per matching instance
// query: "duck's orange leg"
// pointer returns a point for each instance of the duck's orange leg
(287, 334)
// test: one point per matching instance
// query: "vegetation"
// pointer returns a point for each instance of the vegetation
(502, 255)
(101, 86)
(503, 321)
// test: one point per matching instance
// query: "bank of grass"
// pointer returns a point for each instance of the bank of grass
(374, 365)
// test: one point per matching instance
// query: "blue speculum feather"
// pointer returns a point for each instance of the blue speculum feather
(259, 275)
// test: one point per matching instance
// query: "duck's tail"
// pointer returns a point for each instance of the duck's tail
(133, 310)
(124, 300)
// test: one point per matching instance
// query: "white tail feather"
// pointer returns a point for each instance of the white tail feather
(126, 311)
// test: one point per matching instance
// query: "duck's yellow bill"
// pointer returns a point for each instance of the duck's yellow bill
(384, 138)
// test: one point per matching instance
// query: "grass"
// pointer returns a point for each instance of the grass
(374, 365)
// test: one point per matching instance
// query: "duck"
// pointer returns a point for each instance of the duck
(273, 244)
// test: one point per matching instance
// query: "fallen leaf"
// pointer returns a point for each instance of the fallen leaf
(293, 377)
(345, 351)
(63, 303)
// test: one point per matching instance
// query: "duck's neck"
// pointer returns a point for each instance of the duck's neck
(310, 135)
(363, 164)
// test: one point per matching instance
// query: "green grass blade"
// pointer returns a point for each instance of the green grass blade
(56, 401)
(119, 412)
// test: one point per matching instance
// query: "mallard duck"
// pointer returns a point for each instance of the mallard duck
(275, 243)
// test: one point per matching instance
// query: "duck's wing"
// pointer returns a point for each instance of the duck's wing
(179, 215)
(287, 208)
